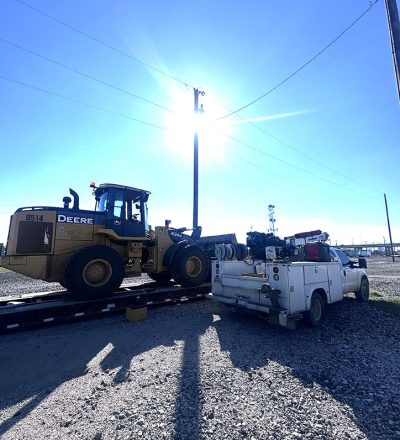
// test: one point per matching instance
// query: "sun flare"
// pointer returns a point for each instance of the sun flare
(184, 123)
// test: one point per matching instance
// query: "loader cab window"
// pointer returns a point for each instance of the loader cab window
(136, 213)
(102, 203)
(118, 206)
(113, 203)
(133, 211)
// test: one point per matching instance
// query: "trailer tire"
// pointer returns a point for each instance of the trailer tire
(160, 277)
(190, 267)
(93, 272)
(316, 315)
(362, 294)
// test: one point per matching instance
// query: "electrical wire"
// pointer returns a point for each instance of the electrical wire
(77, 101)
(121, 115)
(371, 5)
(100, 81)
(103, 43)
(316, 161)
(297, 167)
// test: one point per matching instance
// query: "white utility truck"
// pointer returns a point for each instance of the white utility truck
(287, 290)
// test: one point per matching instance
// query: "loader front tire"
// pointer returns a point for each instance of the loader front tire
(93, 272)
(190, 266)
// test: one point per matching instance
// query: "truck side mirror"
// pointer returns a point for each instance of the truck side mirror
(362, 263)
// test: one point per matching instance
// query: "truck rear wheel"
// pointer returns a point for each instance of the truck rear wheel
(190, 266)
(363, 293)
(316, 314)
(93, 272)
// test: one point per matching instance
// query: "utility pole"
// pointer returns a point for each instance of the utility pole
(390, 232)
(394, 31)
(197, 92)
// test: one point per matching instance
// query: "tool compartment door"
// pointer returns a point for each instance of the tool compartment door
(297, 298)
(315, 273)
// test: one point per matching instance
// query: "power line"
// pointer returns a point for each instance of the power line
(100, 81)
(372, 4)
(297, 150)
(179, 80)
(296, 166)
(103, 43)
(77, 101)
(121, 115)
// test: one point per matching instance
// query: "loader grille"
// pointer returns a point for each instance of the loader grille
(34, 238)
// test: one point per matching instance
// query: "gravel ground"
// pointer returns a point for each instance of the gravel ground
(201, 371)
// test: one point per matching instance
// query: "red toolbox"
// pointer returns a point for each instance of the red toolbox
(317, 252)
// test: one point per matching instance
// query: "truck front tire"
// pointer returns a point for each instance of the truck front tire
(316, 314)
(190, 266)
(93, 272)
(362, 294)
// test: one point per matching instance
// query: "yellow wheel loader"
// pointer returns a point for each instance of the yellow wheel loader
(90, 252)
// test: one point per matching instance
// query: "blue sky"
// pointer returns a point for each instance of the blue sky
(322, 148)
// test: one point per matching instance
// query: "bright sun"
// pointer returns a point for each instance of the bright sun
(183, 124)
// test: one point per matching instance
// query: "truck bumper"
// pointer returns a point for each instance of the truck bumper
(275, 316)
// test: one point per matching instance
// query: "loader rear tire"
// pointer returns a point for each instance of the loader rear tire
(190, 266)
(160, 277)
(93, 272)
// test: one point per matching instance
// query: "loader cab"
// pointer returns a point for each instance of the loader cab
(125, 209)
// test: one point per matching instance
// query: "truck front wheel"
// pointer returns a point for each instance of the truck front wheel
(316, 314)
(363, 293)
(93, 272)
(190, 266)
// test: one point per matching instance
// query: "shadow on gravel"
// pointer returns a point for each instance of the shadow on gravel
(34, 364)
(354, 356)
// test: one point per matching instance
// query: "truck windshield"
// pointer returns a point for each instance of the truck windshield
(344, 259)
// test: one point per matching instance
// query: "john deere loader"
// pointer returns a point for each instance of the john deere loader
(90, 252)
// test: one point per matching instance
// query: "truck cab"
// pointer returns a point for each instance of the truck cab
(349, 270)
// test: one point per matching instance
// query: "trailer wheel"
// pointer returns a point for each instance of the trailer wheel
(93, 272)
(363, 293)
(316, 314)
(160, 277)
(190, 266)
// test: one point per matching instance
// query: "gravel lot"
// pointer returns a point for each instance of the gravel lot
(200, 371)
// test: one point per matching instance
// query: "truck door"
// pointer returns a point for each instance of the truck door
(349, 275)
(335, 281)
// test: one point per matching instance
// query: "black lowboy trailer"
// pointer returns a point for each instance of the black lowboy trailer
(33, 310)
